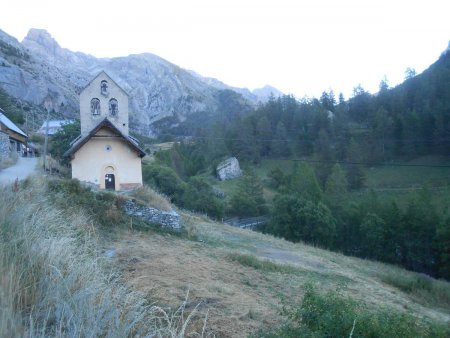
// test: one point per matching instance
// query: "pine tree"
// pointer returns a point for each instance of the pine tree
(280, 144)
(443, 248)
(337, 184)
(355, 171)
(303, 183)
(264, 135)
(248, 200)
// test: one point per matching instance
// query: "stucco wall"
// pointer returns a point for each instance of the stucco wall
(92, 160)
(93, 90)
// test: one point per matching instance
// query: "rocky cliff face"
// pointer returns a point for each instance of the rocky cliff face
(40, 71)
(27, 72)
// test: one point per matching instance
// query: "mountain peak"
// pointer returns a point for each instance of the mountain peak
(266, 92)
(447, 50)
(40, 38)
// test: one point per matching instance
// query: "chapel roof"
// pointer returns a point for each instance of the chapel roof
(109, 77)
(105, 123)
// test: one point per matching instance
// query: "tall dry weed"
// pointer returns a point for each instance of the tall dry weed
(152, 198)
(54, 282)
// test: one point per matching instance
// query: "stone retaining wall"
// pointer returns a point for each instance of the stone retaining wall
(4, 146)
(166, 219)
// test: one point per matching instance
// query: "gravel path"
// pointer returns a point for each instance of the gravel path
(24, 167)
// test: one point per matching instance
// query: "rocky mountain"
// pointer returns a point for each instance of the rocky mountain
(263, 94)
(447, 50)
(162, 94)
(258, 95)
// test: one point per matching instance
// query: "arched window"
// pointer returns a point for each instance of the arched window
(95, 106)
(104, 88)
(113, 107)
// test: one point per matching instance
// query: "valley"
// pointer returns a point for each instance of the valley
(354, 195)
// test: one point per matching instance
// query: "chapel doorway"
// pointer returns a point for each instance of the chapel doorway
(110, 182)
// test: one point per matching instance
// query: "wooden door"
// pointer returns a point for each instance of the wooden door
(110, 183)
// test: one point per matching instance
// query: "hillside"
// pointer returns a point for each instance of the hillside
(238, 280)
(217, 268)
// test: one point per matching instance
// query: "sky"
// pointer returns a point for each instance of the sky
(301, 47)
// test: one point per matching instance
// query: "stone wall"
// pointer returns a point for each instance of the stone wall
(4, 146)
(169, 220)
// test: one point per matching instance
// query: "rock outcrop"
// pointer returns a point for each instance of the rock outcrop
(228, 169)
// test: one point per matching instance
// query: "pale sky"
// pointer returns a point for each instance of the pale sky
(301, 47)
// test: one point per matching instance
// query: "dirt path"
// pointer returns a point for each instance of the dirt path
(24, 167)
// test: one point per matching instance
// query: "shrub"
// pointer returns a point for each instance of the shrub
(152, 198)
(60, 142)
(199, 196)
(164, 179)
(334, 315)
(259, 264)
(103, 207)
(423, 288)
(297, 219)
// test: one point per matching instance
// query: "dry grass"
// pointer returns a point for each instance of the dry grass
(8, 162)
(54, 279)
(238, 301)
(152, 198)
(54, 282)
(240, 276)
(54, 166)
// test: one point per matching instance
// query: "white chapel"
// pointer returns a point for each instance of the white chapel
(105, 155)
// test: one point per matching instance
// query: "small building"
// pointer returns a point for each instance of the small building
(104, 154)
(53, 126)
(17, 137)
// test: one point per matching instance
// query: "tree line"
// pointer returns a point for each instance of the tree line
(311, 202)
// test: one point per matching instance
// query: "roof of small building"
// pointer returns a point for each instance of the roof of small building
(80, 141)
(56, 123)
(9, 124)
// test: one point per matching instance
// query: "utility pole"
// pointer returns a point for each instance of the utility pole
(26, 127)
(46, 139)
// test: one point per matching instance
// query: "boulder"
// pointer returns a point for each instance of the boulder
(228, 169)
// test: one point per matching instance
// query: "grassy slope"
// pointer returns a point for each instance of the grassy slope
(56, 281)
(226, 269)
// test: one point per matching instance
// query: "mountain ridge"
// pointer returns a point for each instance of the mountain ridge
(39, 70)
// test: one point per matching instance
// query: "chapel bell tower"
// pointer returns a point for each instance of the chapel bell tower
(103, 98)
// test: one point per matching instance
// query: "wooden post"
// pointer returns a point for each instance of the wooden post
(46, 140)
